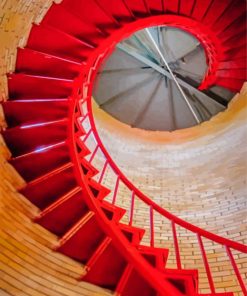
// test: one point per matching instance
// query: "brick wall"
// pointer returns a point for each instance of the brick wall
(198, 174)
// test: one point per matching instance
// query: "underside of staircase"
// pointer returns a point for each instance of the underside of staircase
(50, 119)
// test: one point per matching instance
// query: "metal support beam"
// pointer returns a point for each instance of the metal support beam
(173, 76)
(130, 51)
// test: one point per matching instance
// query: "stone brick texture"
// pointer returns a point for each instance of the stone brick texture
(198, 174)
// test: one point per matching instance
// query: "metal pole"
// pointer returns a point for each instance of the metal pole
(173, 76)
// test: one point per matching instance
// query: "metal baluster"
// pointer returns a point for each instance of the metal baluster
(87, 135)
(236, 270)
(132, 208)
(103, 171)
(94, 152)
(151, 227)
(115, 190)
(176, 245)
(205, 261)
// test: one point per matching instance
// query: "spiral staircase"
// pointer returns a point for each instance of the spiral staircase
(50, 122)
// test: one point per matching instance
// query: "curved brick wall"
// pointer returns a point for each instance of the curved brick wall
(202, 178)
(198, 174)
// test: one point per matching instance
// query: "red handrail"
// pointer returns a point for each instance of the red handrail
(89, 74)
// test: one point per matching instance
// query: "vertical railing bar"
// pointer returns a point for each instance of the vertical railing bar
(103, 171)
(94, 152)
(132, 208)
(236, 270)
(115, 191)
(87, 135)
(205, 261)
(151, 227)
(176, 245)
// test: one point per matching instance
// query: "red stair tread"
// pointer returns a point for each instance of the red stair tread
(133, 234)
(73, 26)
(111, 211)
(98, 18)
(186, 7)
(106, 266)
(186, 281)
(22, 86)
(132, 284)
(34, 111)
(81, 242)
(138, 7)
(30, 138)
(99, 191)
(38, 63)
(47, 189)
(157, 257)
(35, 164)
(121, 12)
(61, 215)
(58, 43)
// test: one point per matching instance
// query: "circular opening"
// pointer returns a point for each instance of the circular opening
(151, 81)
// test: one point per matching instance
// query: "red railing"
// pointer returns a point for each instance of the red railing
(87, 123)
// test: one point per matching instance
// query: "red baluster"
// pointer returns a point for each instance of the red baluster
(93, 154)
(103, 171)
(115, 191)
(205, 261)
(236, 270)
(176, 245)
(87, 135)
(132, 207)
(151, 227)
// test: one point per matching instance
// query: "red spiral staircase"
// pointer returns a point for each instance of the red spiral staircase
(50, 121)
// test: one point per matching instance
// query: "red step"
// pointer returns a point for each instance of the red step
(64, 213)
(186, 281)
(171, 6)
(232, 84)
(232, 73)
(132, 284)
(34, 111)
(106, 266)
(234, 11)
(157, 257)
(35, 164)
(111, 211)
(121, 11)
(216, 12)
(58, 43)
(99, 17)
(22, 86)
(155, 7)
(81, 242)
(138, 7)
(48, 188)
(73, 25)
(87, 168)
(38, 63)
(233, 64)
(99, 191)
(133, 234)
(29, 138)
(186, 7)
(200, 9)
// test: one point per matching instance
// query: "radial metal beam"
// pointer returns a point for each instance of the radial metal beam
(128, 50)
(126, 91)
(173, 76)
(145, 107)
